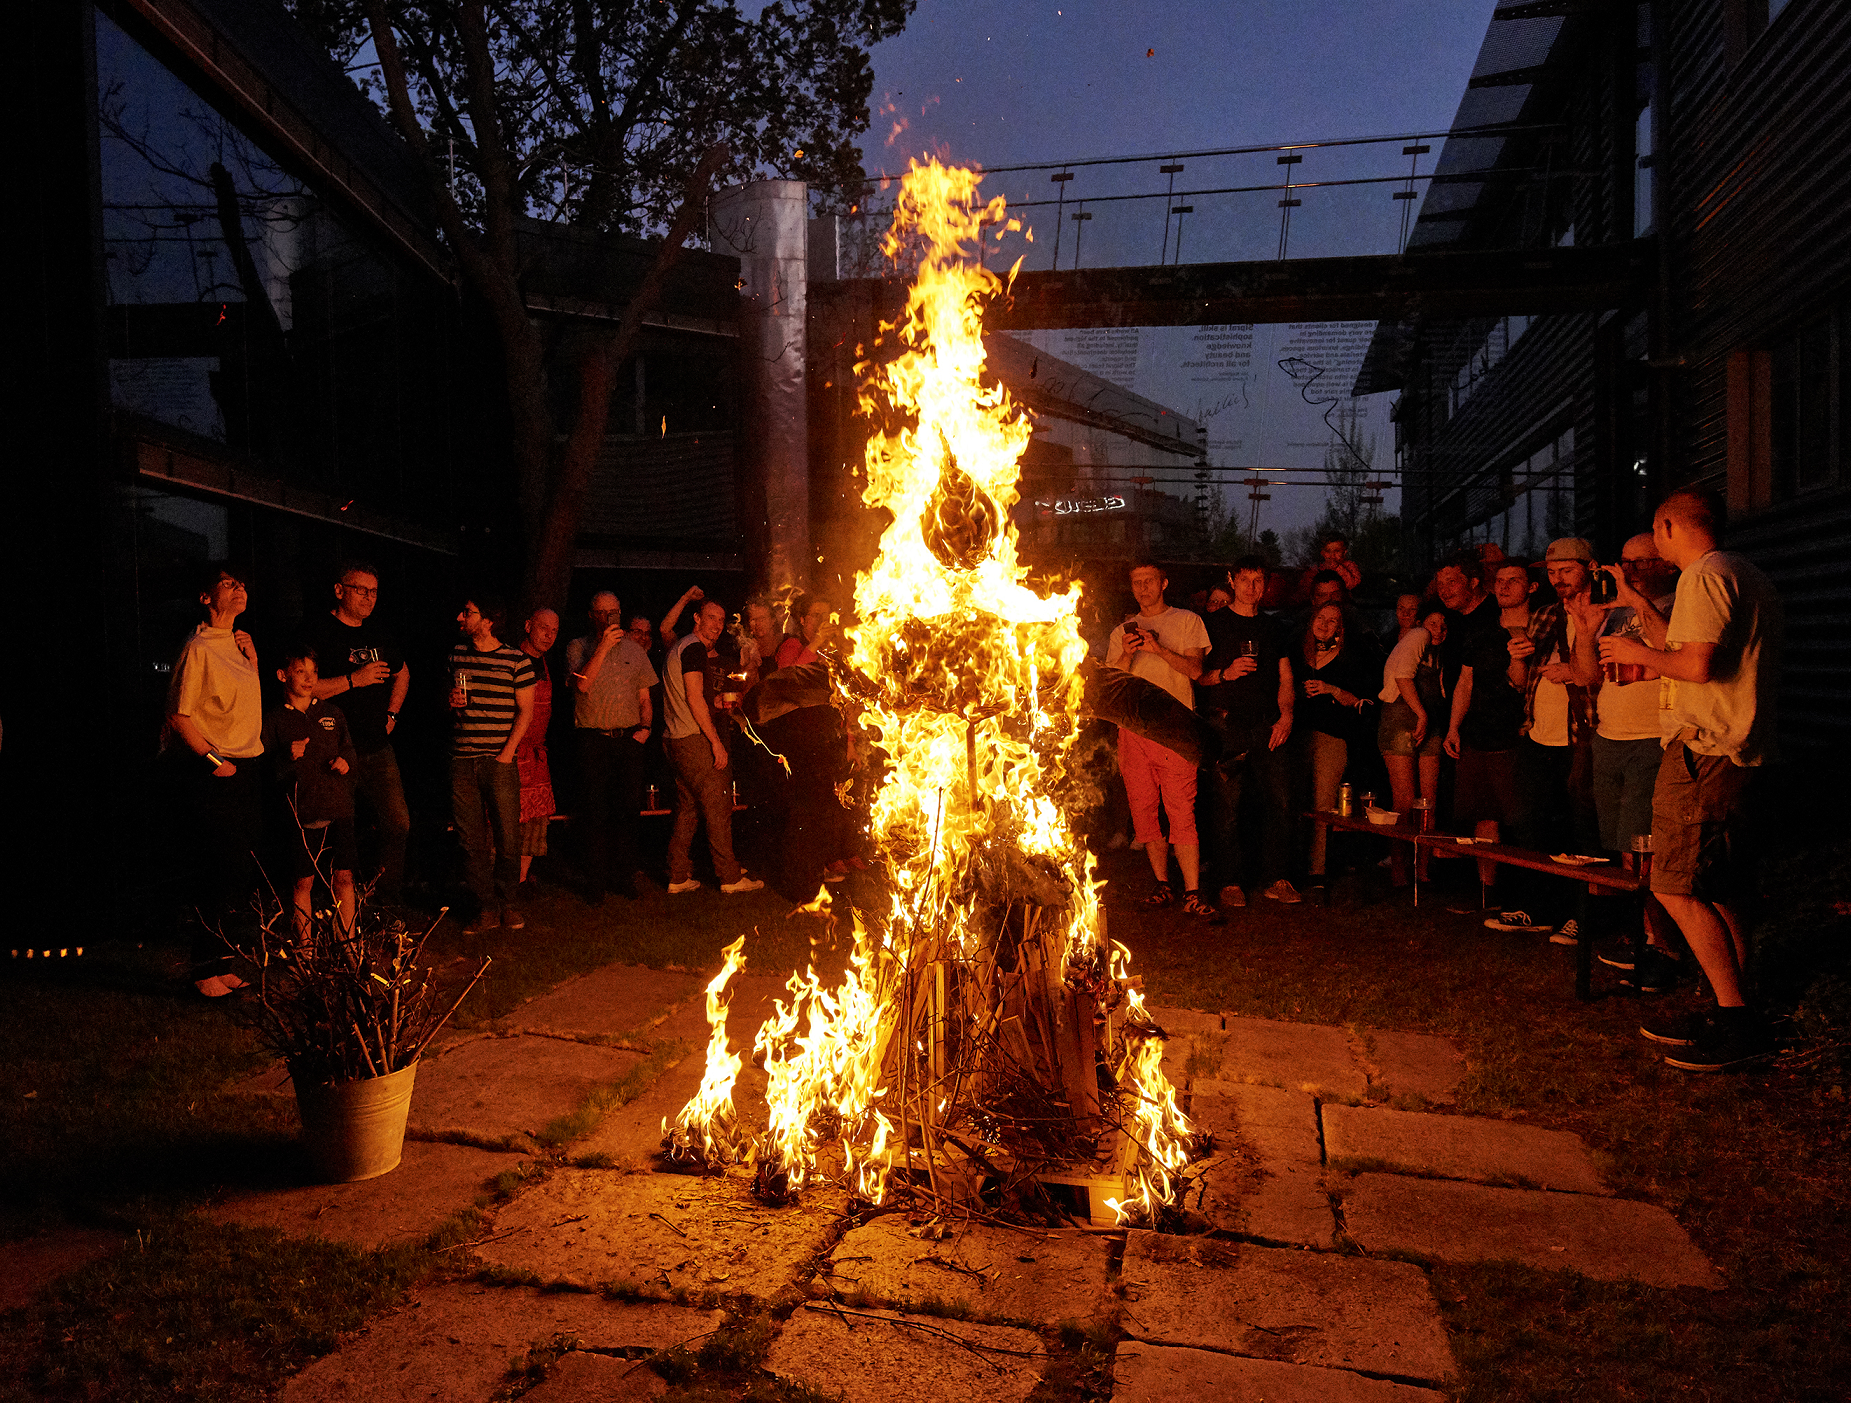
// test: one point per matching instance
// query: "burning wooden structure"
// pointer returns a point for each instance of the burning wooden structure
(986, 1040)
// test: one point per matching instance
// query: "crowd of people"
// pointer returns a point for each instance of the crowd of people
(1562, 706)
(690, 716)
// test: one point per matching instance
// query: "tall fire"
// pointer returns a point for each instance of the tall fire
(986, 1040)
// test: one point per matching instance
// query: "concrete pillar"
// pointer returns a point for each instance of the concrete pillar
(763, 224)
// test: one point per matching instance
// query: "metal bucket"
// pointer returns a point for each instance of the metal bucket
(356, 1129)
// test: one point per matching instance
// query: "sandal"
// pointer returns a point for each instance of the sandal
(1164, 895)
(1193, 905)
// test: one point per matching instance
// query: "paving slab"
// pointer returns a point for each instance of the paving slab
(455, 1343)
(1417, 1064)
(508, 1089)
(662, 1233)
(431, 1183)
(1460, 1147)
(579, 1377)
(1144, 1373)
(1179, 1021)
(618, 1001)
(1028, 1278)
(879, 1356)
(1607, 1238)
(1270, 1303)
(1275, 1190)
(1309, 1057)
(28, 1266)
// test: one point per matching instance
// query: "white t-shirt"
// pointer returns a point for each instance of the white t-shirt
(1724, 600)
(1628, 710)
(1550, 723)
(217, 686)
(1179, 630)
(1403, 661)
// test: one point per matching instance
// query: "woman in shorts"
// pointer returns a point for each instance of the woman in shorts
(1415, 691)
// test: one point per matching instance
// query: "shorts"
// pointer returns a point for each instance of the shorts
(1394, 734)
(1485, 790)
(1625, 777)
(324, 851)
(533, 836)
(1156, 774)
(1700, 837)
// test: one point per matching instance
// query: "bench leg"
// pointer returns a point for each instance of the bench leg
(1584, 948)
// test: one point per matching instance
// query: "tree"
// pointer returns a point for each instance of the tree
(1349, 467)
(615, 115)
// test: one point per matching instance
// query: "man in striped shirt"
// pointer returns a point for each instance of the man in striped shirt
(491, 702)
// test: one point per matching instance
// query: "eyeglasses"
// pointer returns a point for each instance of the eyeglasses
(369, 591)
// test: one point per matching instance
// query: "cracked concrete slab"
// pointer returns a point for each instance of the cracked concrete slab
(1144, 1373)
(1023, 1277)
(1300, 1056)
(579, 1377)
(509, 1089)
(1460, 1147)
(617, 1001)
(1296, 1307)
(662, 1233)
(879, 1356)
(1417, 1064)
(1179, 1021)
(1607, 1238)
(1275, 1189)
(432, 1182)
(456, 1343)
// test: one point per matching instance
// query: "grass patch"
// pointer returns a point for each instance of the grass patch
(575, 1125)
(202, 1311)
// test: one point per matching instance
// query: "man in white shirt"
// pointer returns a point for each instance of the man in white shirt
(1718, 656)
(1164, 646)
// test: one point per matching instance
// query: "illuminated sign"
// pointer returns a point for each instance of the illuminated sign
(1075, 506)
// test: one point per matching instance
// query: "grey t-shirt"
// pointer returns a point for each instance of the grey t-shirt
(689, 655)
(611, 704)
(1724, 600)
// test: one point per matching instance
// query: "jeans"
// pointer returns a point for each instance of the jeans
(377, 784)
(701, 792)
(1324, 758)
(1246, 759)
(485, 802)
(610, 771)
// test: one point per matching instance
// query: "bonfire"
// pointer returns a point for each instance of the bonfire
(987, 1040)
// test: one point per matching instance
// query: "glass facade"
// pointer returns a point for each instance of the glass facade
(247, 318)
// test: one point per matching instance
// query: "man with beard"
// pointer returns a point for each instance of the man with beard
(613, 716)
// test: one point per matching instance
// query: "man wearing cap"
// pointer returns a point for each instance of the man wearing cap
(1554, 758)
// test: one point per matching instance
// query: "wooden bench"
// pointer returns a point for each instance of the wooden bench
(1613, 876)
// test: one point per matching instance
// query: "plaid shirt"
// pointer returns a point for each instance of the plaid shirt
(1549, 632)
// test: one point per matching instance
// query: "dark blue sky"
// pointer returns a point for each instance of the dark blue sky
(1013, 80)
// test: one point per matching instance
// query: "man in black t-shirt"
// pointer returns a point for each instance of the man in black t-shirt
(1246, 694)
(363, 673)
(1487, 710)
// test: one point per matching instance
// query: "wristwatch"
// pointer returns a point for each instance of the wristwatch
(391, 716)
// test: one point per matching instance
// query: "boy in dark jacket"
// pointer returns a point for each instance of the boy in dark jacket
(315, 758)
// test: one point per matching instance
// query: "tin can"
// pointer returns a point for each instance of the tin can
(1423, 815)
(1346, 801)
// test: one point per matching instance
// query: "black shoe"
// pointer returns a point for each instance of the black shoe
(1680, 1030)
(1728, 1042)
(1617, 956)
(1163, 895)
(1660, 973)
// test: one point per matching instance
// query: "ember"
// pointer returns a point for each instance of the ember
(986, 1038)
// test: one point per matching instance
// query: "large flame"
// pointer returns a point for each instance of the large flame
(990, 953)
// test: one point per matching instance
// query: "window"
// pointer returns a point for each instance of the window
(1786, 416)
(1643, 150)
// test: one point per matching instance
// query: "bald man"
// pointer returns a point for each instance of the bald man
(612, 719)
(1718, 654)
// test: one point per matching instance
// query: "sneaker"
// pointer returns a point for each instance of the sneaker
(1193, 905)
(213, 988)
(744, 883)
(1683, 1030)
(1661, 972)
(1233, 896)
(1568, 933)
(677, 888)
(1283, 891)
(1514, 920)
(490, 919)
(1723, 1045)
(1618, 956)
(834, 872)
(1163, 895)
(512, 919)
